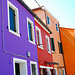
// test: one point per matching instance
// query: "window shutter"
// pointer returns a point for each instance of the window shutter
(60, 48)
(52, 44)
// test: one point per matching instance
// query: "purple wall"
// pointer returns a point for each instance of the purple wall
(18, 45)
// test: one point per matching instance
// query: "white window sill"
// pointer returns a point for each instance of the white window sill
(32, 42)
(53, 51)
(14, 33)
(49, 52)
(40, 47)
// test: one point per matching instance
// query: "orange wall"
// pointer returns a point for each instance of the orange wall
(68, 43)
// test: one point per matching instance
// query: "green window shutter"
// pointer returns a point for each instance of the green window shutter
(52, 44)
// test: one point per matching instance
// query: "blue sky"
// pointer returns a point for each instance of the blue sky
(62, 10)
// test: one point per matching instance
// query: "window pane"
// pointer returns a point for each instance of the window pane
(12, 19)
(56, 27)
(48, 21)
(52, 44)
(38, 37)
(30, 31)
(33, 69)
(47, 44)
(63, 72)
(17, 69)
(60, 48)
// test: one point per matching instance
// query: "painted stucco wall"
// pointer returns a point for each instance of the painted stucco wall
(14, 44)
(68, 43)
(43, 55)
(57, 57)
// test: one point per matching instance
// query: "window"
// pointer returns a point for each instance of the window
(20, 66)
(48, 20)
(34, 70)
(13, 19)
(63, 72)
(48, 44)
(52, 44)
(30, 31)
(56, 26)
(59, 72)
(60, 47)
(39, 38)
(55, 71)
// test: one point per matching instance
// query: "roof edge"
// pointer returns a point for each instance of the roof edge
(34, 15)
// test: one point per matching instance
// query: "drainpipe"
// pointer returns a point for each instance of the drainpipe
(63, 53)
(3, 44)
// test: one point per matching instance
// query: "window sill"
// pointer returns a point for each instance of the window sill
(49, 24)
(14, 33)
(49, 52)
(32, 42)
(40, 47)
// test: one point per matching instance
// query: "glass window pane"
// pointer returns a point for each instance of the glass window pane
(17, 69)
(33, 69)
(12, 19)
(30, 31)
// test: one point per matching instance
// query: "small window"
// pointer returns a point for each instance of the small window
(59, 72)
(31, 31)
(34, 70)
(60, 47)
(48, 20)
(13, 19)
(52, 44)
(56, 26)
(48, 44)
(63, 72)
(39, 38)
(20, 66)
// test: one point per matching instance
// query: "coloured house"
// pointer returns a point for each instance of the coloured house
(68, 44)
(18, 50)
(45, 59)
(56, 46)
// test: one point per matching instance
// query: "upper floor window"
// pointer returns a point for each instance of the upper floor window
(57, 27)
(48, 20)
(48, 44)
(31, 31)
(39, 38)
(13, 19)
(52, 44)
(60, 47)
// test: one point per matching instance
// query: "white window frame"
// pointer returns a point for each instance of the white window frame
(55, 70)
(40, 37)
(64, 71)
(48, 43)
(21, 61)
(16, 19)
(49, 20)
(33, 36)
(32, 62)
